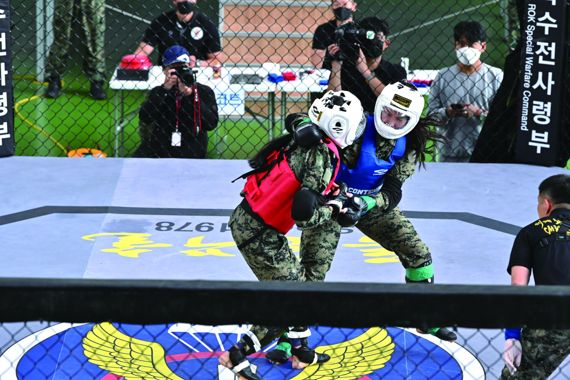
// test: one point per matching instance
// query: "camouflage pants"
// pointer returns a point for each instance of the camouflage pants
(508, 9)
(392, 229)
(93, 26)
(542, 353)
(269, 256)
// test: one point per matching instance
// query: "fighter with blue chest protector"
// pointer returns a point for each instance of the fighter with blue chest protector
(374, 168)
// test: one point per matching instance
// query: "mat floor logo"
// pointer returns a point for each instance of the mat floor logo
(182, 351)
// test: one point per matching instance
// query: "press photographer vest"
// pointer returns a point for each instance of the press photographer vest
(367, 177)
(269, 193)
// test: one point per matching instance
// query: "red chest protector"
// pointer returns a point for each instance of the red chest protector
(270, 193)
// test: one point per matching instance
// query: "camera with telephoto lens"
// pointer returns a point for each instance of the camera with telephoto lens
(186, 75)
(349, 38)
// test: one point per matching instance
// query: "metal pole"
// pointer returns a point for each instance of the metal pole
(44, 34)
(117, 123)
(271, 112)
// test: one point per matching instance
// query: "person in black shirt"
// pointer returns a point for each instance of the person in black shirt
(323, 37)
(185, 26)
(175, 118)
(367, 74)
(541, 248)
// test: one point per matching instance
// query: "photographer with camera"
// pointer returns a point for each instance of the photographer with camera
(357, 64)
(175, 118)
(324, 36)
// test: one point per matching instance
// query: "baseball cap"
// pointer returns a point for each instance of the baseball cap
(175, 54)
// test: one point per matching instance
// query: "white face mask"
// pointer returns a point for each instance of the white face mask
(468, 55)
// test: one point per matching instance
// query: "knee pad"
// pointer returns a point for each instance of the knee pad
(421, 274)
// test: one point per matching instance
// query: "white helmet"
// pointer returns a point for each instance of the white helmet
(397, 110)
(340, 115)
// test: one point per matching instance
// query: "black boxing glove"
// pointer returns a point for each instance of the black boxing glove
(356, 208)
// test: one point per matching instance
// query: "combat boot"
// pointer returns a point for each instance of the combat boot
(97, 91)
(440, 332)
(54, 87)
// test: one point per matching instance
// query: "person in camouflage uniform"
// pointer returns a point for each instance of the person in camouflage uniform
(93, 26)
(259, 230)
(394, 141)
(543, 248)
(374, 168)
(512, 28)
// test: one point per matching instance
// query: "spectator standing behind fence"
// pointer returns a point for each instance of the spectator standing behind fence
(176, 117)
(323, 38)
(185, 26)
(543, 248)
(357, 62)
(461, 94)
(92, 14)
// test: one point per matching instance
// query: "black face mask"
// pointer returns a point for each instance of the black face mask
(372, 48)
(342, 14)
(185, 7)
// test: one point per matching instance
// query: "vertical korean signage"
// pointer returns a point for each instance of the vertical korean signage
(6, 99)
(541, 81)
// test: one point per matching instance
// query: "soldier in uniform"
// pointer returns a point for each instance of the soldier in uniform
(374, 169)
(93, 25)
(512, 27)
(543, 248)
(292, 182)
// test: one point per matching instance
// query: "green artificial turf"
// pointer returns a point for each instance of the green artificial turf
(421, 31)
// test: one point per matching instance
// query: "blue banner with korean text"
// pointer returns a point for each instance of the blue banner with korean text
(7, 145)
(543, 38)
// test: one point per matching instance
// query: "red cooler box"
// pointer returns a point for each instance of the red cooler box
(134, 67)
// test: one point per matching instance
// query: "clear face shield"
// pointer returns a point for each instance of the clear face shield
(394, 118)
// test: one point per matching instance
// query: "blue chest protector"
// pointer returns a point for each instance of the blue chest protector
(367, 177)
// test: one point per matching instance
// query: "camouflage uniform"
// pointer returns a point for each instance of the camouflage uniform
(93, 26)
(267, 251)
(543, 351)
(390, 228)
(511, 22)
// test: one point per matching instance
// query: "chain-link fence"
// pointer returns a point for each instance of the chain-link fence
(355, 324)
(69, 94)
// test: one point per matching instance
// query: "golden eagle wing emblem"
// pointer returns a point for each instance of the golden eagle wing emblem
(354, 358)
(122, 355)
